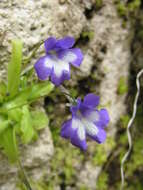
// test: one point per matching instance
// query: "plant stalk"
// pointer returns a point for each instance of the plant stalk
(24, 177)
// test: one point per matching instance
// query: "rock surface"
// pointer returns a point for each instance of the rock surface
(35, 158)
(108, 50)
(112, 46)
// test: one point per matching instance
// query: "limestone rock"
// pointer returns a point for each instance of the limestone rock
(109, 50)
(35, 158)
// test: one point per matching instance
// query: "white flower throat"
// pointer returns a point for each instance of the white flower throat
(85, 124)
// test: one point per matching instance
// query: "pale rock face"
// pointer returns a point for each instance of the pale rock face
(35, 158)
(34, 20)
(115, 64)
(86, 66)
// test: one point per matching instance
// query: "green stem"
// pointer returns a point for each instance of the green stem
(36, 47)
(24, 177)
(67, 94)
(27, 60)
(4, 110)
(62, 89)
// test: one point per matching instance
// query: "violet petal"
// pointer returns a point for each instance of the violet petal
(65, 43)
(50, 44)
(44, 67)
(103, 118)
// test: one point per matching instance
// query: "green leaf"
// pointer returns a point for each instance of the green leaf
(2, 91)
(23, 82)
(29, 95)
(40, 90)
(17, 101)
(8, 140)
(3, 125)
(39, 120)
(26, 126)
(14, 67)
(15, 114)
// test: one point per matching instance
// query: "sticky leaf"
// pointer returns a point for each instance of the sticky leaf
(14, 68)
(26, 125)
(8, 140)
(39, 120)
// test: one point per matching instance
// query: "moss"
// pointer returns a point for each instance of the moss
(123, 139)
(124, 120)
(62, 169)
(100, 156)
(62, 164)
(136, 159)
(44, 186)
(122, 9)
(122, 86)
(134, 164)
(140, 35)
(88, 34)
(128, 9)
(102, 182)
(133, 6)
(20, 186)
(124, 24)
(98, 4)
(55, 133)
(101, 152)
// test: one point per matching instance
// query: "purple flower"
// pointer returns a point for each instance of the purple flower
(59, 56)
(86, 120)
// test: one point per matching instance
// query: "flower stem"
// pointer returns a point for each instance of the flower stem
(27, 60)
(67, 94)
(24, 177)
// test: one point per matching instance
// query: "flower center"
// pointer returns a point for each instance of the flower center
(79, 114)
